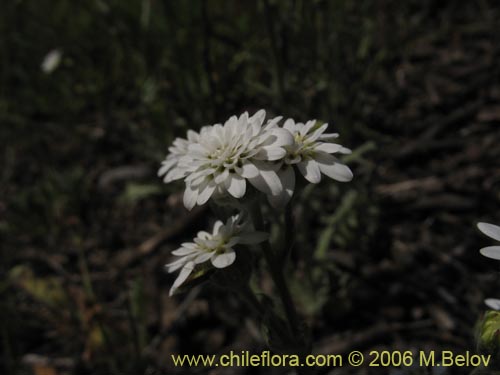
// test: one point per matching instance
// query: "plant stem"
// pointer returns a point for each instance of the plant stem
(276, 271)
(289, 231)
(89, 290)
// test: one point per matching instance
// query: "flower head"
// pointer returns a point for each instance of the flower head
(311, 152)
(216, 247)
(492, 252)
(492, 231)
(222, 158)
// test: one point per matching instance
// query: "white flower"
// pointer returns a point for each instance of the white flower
(51, 61)
(492, 252)
(311, 153)
(492, 231)
(221, 158)
(216, 247)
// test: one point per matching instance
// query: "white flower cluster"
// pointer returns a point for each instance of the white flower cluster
(492, 252)
(222, 158)
(216, 247)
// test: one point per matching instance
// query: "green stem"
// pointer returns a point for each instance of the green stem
(89, 290)
(289, 231)
(276, 271)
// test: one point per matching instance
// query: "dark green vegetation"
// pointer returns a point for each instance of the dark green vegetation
(387, 261)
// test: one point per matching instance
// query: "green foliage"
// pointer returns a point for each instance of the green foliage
(47, 290)
(135, 192)
(488, 336)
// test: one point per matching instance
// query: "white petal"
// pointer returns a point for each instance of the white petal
(304, 129)
(328, 136)
(317, 133)
(175, 265)
(189, 245)
(283, 137)
(236, 185)
(190, 197)
(183, 251)
(224, 260)
(203, 257)
(329, 148)
(249, 170)
(267, 181)
(206, 193)
(337, 171)
(258, 116)
(221, 177)
(175, 174)
(217, 226)
(271, 153)
(204, 235)
(199, 177)
(243, 120)
(287, 178)
(231, 126)
(271, 124)
(257, 119)
(206, 130)
(192, 136)
(492, 231)
(330, 167)
(290, 125)
(267, 166)
(198, 149)
(183, 275)
(492, 252)
(310, 170)
(492, 303)
(166, 165)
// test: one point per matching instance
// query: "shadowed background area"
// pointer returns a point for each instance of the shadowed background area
(91, 95)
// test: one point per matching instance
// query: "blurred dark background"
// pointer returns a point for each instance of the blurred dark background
(93, 92)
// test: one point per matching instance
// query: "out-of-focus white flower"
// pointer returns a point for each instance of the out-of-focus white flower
(492, 252)
(51, 61)
(216, 247)
(222, 158)
(311, 152)
(492, 231)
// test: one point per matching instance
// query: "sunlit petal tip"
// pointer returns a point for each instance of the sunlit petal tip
(492, 252)
(310, 170)
(224, 260)
(492, 303)
(190, 197)
(491, 230)
(236, 186)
